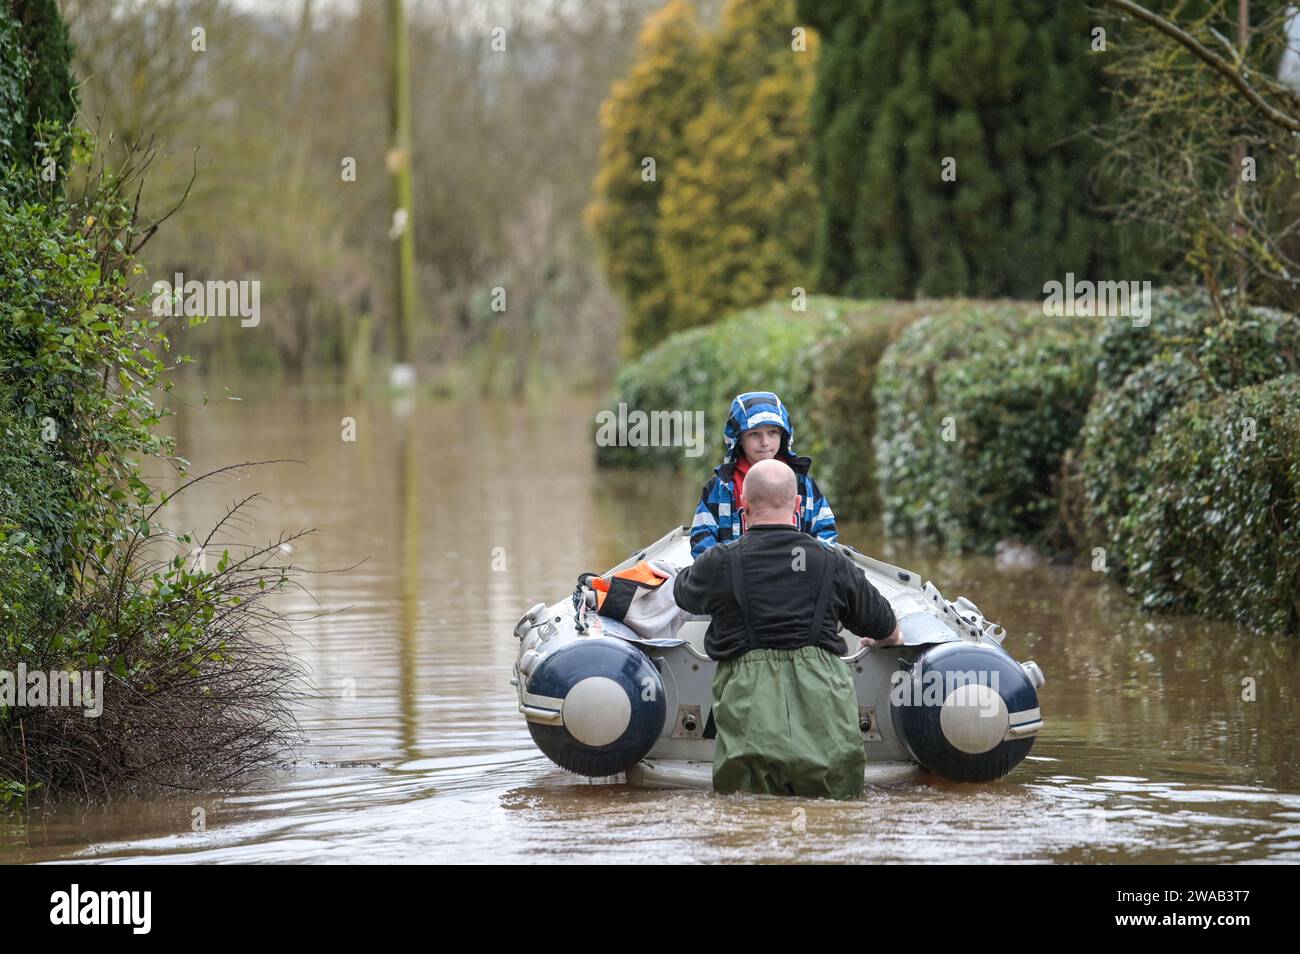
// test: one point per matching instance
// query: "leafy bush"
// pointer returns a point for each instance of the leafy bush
(1188, 355)
(1010, 388)
(823, 364)
(13, 85)
(769, 348)
(90, 580)
(80, 366)
(194, 695)
(842, 411)
(51, 87)
(37, 88)
(33, 524)
(1216, 527)
(1177, 316)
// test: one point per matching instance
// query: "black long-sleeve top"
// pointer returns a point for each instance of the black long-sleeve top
(782, 576)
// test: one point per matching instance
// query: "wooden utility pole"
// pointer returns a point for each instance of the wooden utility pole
(402, 228)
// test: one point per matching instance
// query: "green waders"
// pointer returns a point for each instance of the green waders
(787, 719)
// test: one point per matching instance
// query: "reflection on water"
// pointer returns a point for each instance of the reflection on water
(465, 514)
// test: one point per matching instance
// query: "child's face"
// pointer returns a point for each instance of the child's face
(761, 443)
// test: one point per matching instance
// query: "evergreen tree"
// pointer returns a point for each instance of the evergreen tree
(36, 63)
(13, 89)
(1005, 96)
(643, 119)
(738, 216)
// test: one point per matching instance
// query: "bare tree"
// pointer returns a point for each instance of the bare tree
(1205, 146)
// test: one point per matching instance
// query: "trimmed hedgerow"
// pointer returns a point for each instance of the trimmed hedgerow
(1193, 356)
(1177, 317)
(843, 409)
(821, 362)
(768, 348)
(1009, 387)
(1216, 528)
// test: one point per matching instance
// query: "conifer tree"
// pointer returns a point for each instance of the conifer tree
(954, 144)
(642, 122)
(738, 216)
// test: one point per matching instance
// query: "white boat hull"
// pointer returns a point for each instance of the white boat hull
(602, 700)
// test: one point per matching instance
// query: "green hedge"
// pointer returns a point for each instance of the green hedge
(768, 348)
(1186, 354)
(36, 81)
(35, 520)
(821, 362)
(89, 578)
(14, 74)
(1130, 420)
(1177, 316)
(74, 350)
(1016, 385)
(843, 411)
(1216, 528)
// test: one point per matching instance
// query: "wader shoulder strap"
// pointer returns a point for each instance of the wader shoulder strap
(738, 590)
(823, 595)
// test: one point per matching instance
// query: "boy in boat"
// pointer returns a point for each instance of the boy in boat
(758, 428)
(784, 704)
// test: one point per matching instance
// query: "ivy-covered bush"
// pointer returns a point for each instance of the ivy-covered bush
(1189, 355)
(34, 517)
(79, 364)
(37, 88)
(976, 408)
(14, 73)
(91, 581)
(1177, 317)
(1215, 528)
(768, 348)
(843, 408)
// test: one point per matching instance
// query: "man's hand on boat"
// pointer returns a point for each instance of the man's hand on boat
(893, 639)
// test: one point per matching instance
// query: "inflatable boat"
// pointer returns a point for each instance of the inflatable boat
(603, 700)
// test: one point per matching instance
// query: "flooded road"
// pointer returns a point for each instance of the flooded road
(465, 514)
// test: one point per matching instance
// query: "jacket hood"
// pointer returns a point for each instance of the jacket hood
(754, 409)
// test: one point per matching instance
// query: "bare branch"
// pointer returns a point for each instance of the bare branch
(1212, 59)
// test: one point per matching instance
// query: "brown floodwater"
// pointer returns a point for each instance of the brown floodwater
(466, 513)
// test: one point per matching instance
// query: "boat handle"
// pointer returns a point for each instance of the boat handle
(548, 716)
(528, 620)
(1021, 731)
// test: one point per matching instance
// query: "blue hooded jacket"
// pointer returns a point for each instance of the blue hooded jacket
(717, 518)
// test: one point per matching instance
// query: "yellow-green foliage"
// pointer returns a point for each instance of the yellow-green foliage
(644, 118)
(736, 223)
(728, 220)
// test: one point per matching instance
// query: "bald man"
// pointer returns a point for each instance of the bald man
(784, 704)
